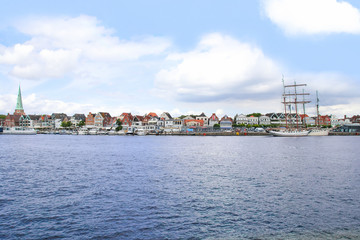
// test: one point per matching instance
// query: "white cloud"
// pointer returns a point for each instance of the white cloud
(313, 16)
(219, 68)
(65, 46)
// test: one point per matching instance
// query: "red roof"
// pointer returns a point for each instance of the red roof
(152, 114)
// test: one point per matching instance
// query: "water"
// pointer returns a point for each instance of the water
(167, 187)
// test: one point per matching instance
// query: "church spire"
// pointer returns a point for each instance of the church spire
(19, 106)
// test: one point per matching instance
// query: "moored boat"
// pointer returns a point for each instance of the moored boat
(140, 132)
(319, 132)
(19, 131)
(289, 133)
(291, 101)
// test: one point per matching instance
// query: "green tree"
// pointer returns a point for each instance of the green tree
(119, 127)
(254, 114)
(2, 116)
(66, 124)
(81, 123)
(216, 126)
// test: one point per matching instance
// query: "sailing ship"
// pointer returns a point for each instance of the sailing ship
(291, 101)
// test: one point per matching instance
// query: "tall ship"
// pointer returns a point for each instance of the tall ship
(290, 99)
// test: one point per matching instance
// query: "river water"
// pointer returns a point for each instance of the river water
(179, 187)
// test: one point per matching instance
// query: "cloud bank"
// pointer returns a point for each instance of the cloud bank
(219, 68)
(304, 17)
(66, 46)
(90, 61)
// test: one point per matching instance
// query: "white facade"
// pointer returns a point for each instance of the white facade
(264, 120)
(253, 120)
(241, 119)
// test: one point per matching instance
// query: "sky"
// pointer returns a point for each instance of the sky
(183, 57)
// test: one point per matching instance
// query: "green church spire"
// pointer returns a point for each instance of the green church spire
(19, 105)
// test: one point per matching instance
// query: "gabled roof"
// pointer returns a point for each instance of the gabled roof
(138, 118)
(202, 115)
(152, 114)
(105, 114)
(60, 116)
(34, 117)
(79, 116)
(125, 114)
(226, 118)
(214, 117)
(165, 115)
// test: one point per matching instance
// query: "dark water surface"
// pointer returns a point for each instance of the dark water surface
(157, 187)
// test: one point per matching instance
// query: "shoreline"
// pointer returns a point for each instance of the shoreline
(195, 134)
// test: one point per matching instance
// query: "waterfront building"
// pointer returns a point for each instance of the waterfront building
(355, 119)
(240, 119)
(165, 116)
(102, 119)
(146, 120)
(193, 123)
(274, 118)
(310, 121)
(252, 120)
(323, 120)
(58, 118)
(264, 120)
(344, 121)
(203, 117)
(213, 120)
(126, 120)
(226, 122)
(90, 120)
(77, 118)
(45, 121)
(25, 121)
(12, 120)
(334, 121)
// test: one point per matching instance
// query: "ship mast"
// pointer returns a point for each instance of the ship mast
(294, 100)
(284, 96)
(317, 108)
(304, 109)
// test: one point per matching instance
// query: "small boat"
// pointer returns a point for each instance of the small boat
(93, 131)
(83, 131)
(19, 131)
(141, 132)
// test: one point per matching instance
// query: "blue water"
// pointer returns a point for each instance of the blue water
(168, 187)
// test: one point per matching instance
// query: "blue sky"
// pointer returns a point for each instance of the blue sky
(178, 56)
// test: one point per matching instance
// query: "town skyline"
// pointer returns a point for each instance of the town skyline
(180, 57)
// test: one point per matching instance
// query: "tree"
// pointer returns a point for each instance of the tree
(81, 123)
(254, 114)
(216, 126)
(66, 124)
(119, 127)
